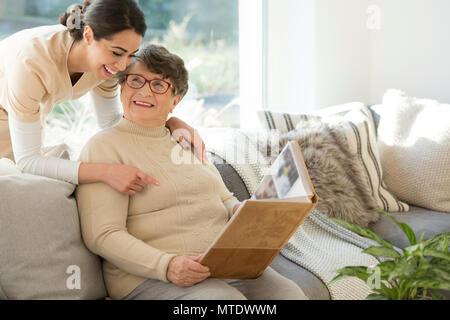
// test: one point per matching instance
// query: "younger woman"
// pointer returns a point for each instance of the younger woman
(45, 66)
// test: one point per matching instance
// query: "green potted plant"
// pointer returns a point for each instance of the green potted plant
(416, 272)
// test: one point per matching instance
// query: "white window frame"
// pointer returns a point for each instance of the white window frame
(277, 57)
(253, 60)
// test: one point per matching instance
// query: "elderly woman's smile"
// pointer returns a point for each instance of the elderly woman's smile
(143, 104)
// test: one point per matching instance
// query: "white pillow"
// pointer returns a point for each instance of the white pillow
(414, 145)
(7, 167)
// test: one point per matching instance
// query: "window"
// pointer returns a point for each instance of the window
(205, 33)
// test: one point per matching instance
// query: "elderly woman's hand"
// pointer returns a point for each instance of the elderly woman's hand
(127, 179)
(185, 271)
(187, 137)
(236, 207)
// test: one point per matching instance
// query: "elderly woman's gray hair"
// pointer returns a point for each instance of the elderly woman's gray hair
(159, 60)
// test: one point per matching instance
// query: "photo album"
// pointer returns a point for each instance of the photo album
(263, 224)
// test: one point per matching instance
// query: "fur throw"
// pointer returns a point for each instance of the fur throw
(337, 175)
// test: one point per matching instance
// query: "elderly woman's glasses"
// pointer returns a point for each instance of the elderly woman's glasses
(157, 86)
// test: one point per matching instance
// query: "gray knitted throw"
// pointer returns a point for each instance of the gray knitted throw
(319, 245)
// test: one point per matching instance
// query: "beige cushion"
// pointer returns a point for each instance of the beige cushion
(414, 144)
(42, 252)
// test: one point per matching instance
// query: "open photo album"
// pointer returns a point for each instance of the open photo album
(263, 224)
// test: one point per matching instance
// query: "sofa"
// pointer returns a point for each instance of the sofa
(419, 219)
(42, 255)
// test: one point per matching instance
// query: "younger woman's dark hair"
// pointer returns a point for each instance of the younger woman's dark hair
(105, 17)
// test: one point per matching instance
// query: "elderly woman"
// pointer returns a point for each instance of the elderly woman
(151, 242)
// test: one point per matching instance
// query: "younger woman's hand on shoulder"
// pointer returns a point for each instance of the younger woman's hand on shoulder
(127, 179)
(187, 137)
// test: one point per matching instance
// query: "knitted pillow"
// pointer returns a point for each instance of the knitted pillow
(414, 144)
(361, 137)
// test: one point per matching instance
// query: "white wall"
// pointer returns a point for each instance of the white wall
(318, 54)
(290, 55)
(342, 52)
(326, 52)
(411, 51)
(251, 69)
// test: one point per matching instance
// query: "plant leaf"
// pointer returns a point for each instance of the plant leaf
(403, 269)
(436, 254)
(421, 236)
(352, 271)
(440, 263)
(441, 273)
(412, 250)
(406, 229)
(386, 267)
(355, 271)
(431, 284)
(382, 252)
(445, 245)
(363, 231)
(391, 293)
(436, 295)
(376, 296)
(438, 241)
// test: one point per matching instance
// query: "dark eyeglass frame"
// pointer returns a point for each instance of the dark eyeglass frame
(149, 83)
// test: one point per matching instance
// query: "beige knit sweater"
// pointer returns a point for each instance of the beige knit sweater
(139, 235)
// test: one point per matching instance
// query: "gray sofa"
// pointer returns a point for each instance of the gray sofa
(420, 219)
(42, 254)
